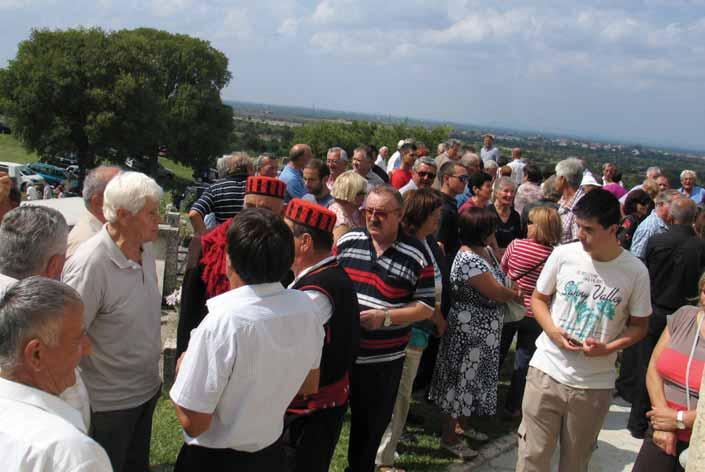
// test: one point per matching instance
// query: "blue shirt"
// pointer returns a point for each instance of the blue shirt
(294, 179)
(652, 225)
(697, 195)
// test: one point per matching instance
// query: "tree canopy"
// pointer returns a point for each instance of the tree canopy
(117, 94)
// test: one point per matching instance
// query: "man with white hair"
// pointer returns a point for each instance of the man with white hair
(688, 187)
(337, 162)
(225, 197)
(569, 175)
(656, 223)
(266, 165)
(42, 341)
(115, 273)
(362, 164)
(652, 173)
(91, 221)
(422, 174)
(382, 157)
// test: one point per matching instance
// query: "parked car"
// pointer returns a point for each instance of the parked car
(141, 165)
(54, 175)
(21, 175)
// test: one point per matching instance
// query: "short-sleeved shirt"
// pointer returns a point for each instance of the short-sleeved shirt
(84, 230)
(517, 166)
(590, 299)
(522, 262)
(401, 275)
(224, 198)
(507, 231)
(245, 363)
(41, 432)
(295, 185)
(697, 194)
(672, 364)
(652, 224)
(122, 315)
(491, 154)
(400, 177)
(568, 221)
(527, 193)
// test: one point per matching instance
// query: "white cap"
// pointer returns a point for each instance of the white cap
(589, 179)
(400, 144)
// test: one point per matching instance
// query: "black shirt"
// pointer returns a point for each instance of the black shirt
(448, 228)
(675, 260)
(509, 231)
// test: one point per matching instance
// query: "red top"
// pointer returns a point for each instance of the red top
(400, 177)
(520, 256)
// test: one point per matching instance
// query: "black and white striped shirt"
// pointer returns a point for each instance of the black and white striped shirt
(225, 198)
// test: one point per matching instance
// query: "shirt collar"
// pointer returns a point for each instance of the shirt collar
(52, 404)
(315, 266)
(114, 252)
(227, 299)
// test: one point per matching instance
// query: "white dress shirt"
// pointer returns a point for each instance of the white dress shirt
(245, 363)
(40, 432)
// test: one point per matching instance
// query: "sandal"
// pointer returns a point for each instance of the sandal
(460, 449)
(475, 435)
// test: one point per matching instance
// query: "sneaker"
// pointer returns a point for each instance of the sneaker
(474, 434)
(460, 449)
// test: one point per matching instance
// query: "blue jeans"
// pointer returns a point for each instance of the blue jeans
(527, 330)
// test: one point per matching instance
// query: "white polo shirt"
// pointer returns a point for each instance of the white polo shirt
(245, 363)
(122, 314)
(41, 432)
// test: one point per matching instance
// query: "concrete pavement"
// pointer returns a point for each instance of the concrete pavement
(616, 448)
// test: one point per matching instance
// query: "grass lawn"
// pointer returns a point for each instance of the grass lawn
(12, 151)
(419, 449)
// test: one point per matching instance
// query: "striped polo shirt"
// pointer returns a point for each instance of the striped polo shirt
(401, 275)
(525, 258)
(225, 198)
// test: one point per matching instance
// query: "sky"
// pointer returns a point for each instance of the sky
(626, 70)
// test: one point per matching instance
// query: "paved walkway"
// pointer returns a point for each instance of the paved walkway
(616, 448)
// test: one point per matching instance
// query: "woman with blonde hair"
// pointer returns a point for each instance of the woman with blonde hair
(522, 263)
(349, 191)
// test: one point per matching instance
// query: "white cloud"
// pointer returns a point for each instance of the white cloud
(14, 4)
(165, 8)
(288, 27)
(237, 24)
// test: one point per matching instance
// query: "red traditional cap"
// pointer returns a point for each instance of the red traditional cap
(267, 186)
(310, 214)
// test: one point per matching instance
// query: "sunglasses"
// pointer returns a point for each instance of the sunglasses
(381, 214)
(462, 178)
(426, 175)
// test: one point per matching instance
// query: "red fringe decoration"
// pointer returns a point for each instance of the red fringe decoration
(213, 250)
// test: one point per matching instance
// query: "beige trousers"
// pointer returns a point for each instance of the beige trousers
(390, 440)
(554, 412)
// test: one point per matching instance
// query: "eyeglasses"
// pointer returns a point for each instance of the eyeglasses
(462, 178)
(381, 214)
(426, 175)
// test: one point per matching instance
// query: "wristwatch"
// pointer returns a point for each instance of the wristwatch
(387, 318)
(680, 420)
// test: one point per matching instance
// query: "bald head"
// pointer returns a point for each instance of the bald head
(94, 186)
(299, 155)
(516, 153)
(683, 211)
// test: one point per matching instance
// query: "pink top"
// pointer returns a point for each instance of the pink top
(353, 220)
(615, 189)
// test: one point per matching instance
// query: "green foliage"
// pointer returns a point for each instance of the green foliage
(117, 94)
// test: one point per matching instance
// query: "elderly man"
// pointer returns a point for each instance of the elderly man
(689, 188)
(206, 271)
(489, 152)
(258, 347)
(652, 173)
(315, 175)
(517, 165)
(293, 173)
(115, 272)
(656, 223)
(382, 157)
(362, 164)
(225, 197)
(529, 191)
(337, 162)
(422, 175)
(43, 341)
(393, 279)
(401, 176)
(266, 165)
(316, 420)
(93, 220)
(569, 175)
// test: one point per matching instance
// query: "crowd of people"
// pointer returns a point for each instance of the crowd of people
(347, 284)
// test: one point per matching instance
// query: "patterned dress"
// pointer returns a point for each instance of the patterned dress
(466, 374)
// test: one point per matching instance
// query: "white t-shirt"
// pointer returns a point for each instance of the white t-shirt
(517, 166)
(245, 363)
(590, 299)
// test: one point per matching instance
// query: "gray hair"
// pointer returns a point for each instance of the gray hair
(32, 308)
(237, 163)
(653, 169)
(683, 211)
(29, 237)
(129, 191)
(427, 161)
(688, 173)
(336, 150)
(504, 182)
(571, 170)
(548, 189)
(261, 161)
(667, 196)
(489, 163)
(471, 159)
(389, 190)
(442, 147)
(453, 143)
(96, 181)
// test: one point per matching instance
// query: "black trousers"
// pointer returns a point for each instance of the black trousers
(527, 330)
(428, 363)
(197, 458)
(651, 458)
(626, 383)
(310, 440)
(641, 403)
(374, 392)
(126, 435)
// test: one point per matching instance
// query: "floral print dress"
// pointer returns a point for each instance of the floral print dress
(466, 375)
